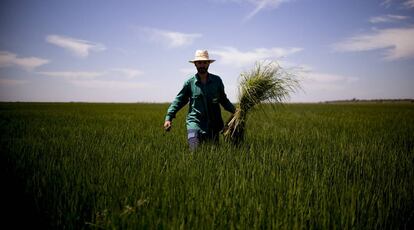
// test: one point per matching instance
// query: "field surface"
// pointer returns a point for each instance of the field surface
(302, 166)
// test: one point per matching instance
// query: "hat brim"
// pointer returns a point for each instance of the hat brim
(192, 61)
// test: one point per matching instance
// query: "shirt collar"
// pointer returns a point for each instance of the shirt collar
(198, 77)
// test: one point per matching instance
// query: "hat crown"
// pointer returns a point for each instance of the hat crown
(202, 55)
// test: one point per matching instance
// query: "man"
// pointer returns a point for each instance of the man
(204, 92)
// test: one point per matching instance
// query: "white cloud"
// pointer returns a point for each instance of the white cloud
(125, 73)
(259, 5)
(397, 43)
(12, 82)
(409, 3)
(316, 82)
(387, 18)
(263, 4)
(78, 47)
(171, 39)
(128, 73)
(10, 59)
(324, 78)
(108, 84)
(71, 75)
(386, 3)
(232, 56)
(88, 79)
(406, 3)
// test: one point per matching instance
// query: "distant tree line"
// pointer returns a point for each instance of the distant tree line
(353, 100)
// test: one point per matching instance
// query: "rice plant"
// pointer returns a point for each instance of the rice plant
(266, 82)
(108, 166)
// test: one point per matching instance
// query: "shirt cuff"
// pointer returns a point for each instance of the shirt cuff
(168, 118)
(233, 109)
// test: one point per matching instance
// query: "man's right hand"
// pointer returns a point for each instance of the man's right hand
(167, 125)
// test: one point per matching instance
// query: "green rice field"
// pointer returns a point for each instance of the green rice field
(301, 166)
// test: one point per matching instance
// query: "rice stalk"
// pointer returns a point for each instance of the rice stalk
(267, 82)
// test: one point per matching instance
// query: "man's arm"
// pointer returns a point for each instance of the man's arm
(224, 101)
(180, 101)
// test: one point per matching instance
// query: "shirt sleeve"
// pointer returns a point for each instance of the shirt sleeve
(224, 101)
(180, 101)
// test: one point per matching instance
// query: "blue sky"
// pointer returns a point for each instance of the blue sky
(138, 51)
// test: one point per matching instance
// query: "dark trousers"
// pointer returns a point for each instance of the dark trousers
(195, 138)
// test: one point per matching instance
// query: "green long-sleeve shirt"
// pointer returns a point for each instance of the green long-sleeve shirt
(204, 112)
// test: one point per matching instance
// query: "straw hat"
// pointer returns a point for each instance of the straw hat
(201, 55)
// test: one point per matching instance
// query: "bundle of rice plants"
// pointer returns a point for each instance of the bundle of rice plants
(267, 82)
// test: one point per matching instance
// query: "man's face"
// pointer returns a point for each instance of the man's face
(202, 66)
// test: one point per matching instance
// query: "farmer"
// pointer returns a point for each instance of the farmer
(205, 92)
